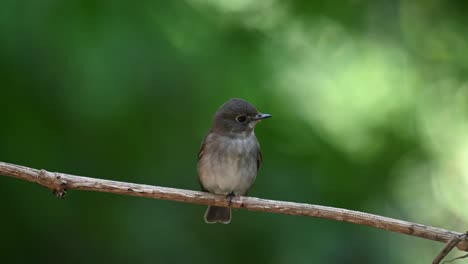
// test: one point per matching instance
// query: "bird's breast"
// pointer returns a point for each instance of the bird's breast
(228, 164)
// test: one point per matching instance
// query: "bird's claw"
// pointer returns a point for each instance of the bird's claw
(229, 197)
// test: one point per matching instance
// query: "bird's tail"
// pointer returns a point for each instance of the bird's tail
(216, 214)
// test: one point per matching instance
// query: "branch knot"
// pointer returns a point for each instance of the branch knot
(54, 182)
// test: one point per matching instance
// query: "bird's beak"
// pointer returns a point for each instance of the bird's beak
(261, 116)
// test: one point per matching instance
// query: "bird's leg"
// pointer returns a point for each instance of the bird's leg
(230, 196)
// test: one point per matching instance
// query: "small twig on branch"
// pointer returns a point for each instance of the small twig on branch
(448, 247)
(457, 258)
(60, 182)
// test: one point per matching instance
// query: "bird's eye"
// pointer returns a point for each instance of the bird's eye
(241, 119)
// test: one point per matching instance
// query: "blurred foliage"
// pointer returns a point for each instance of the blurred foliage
(370, 104)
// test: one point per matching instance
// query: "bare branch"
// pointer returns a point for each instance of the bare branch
(60, 182)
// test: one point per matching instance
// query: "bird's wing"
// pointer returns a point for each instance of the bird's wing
(200, 155)
(259, 159)
(202, 150)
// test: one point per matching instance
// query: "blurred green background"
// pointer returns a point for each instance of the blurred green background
(369, 102)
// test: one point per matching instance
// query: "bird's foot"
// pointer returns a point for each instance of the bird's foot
(229, 197)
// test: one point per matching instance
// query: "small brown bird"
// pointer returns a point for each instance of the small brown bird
(230, 155)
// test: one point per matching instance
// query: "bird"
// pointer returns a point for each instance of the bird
(229, 156)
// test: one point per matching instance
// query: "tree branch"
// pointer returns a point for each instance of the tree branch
(60, 182)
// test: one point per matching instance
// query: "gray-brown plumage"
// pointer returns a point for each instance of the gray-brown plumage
(230, 155)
